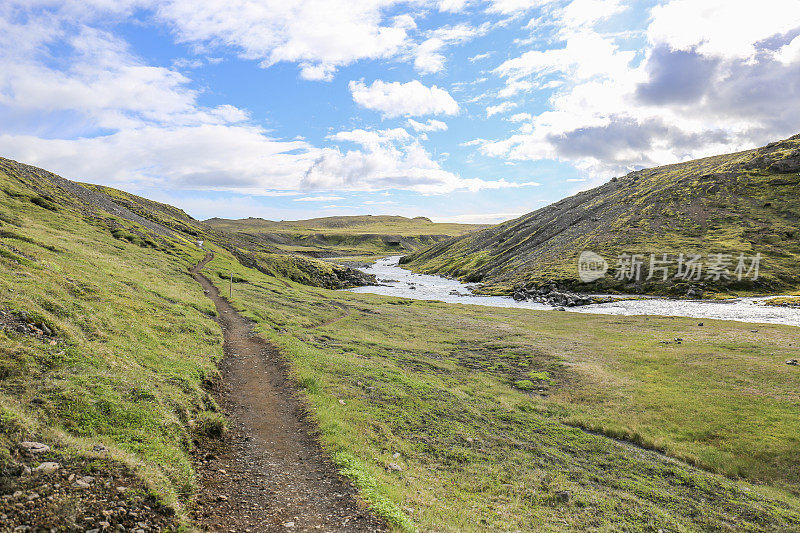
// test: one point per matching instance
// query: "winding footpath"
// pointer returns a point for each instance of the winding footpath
(269, 473)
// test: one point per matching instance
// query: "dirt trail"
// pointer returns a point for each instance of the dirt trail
(269, 474)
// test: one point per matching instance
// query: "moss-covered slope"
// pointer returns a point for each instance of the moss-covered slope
(741, 203)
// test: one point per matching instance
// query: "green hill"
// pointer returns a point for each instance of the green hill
(345, 235)
(444, 417)
(742, 203)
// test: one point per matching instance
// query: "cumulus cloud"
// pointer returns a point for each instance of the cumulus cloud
(319, 35)
(395, 99)
(715, 77)
(144, 127)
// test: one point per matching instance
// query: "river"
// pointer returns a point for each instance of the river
(396, 281)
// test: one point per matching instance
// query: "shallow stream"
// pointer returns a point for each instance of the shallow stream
(396, 281)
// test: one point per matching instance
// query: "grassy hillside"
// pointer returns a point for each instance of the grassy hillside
(345, 235)
(105, 340)
(742, 203)
(447, 418)
(479, 409)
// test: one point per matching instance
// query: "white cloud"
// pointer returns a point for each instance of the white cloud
(714, 79)
(479, 57)
(428, 54)
(318, 199)
(388, 159)
(722, 28)
(509, 7)
(520, 117)
(430, 125)
(395, 99)
(499, 108)
(319, 35)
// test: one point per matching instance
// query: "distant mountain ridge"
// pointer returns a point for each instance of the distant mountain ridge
(742, 203)
(344, 235)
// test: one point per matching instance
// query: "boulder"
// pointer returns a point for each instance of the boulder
(33, 448)
(47, 468)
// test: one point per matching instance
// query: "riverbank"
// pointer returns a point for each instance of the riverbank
(399, 282)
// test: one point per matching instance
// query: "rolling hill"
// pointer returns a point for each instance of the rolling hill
(344, 235)
(443, 417)
(741, 203)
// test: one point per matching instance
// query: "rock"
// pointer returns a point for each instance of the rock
(47, 331)
(33, 448)
(121, 489)
(99, 448)
(47, 468)
(394, 467)
(342, 402)
(560, 309)
(81, 485)
(793, 362)
(700, 324)
(288, 525)
(222, 498)
(396, 455)
(563, 496)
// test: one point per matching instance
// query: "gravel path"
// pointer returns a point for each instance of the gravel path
(269, 473)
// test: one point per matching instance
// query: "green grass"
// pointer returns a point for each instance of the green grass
(440, 386)
(785, 301)
(135, 341)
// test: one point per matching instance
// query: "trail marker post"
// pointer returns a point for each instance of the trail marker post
(230, 286)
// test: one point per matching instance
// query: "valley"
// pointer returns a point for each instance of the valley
(446, 417)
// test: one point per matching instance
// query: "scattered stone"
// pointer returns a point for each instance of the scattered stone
(396, 455)
(550, 295)
(793, 362)
(99, 448)
(33, 448)
(47, 468)
(288, 525)
(700, 324)
(563, 496)
(394, 467)
(222, 498)
(342, 402)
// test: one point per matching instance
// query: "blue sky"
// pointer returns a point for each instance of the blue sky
(460, 110)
